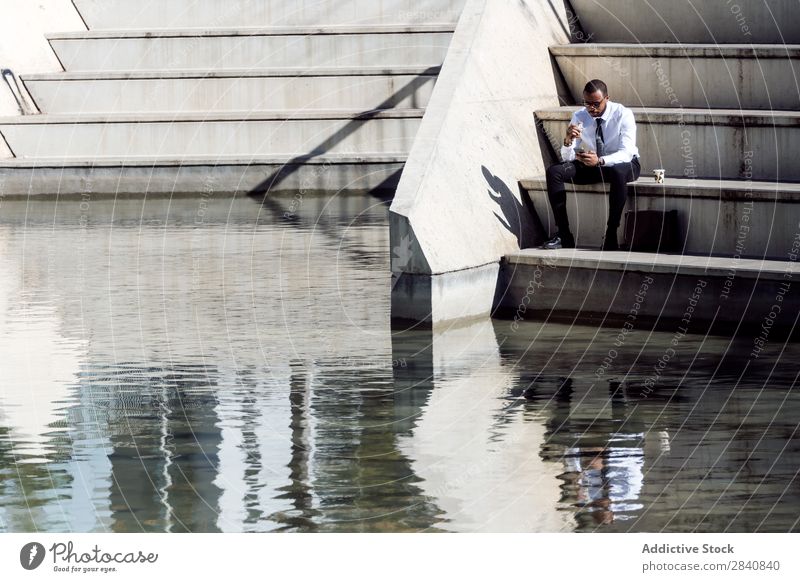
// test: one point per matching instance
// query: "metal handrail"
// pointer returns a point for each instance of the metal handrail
(16, 91)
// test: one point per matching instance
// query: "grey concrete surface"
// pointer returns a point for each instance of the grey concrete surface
(707, 143)
(346, 88)
(716, 217)
(346, 46)
(243, 134)
(155, 14)
(198, 176)
(696, 76)
(609, 286)
(436, 299)
(687, 21)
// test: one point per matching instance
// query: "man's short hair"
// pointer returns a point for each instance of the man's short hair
(596, 85)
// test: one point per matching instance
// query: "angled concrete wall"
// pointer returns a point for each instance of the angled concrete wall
(458, 208)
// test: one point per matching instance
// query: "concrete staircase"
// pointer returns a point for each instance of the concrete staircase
(192, 95)
(715, 92)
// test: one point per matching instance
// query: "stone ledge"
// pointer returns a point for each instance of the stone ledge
(666, 115)
(730, 190)
(656, 263)
(211, 116)
(665, 50)
(367, 71)
(255, 31)
(223, 160)
(143, 177)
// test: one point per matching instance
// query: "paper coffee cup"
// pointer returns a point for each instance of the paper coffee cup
(658, 175)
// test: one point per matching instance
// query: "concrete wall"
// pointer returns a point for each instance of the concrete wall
(689, 21)
(720, 76)
(458, 205)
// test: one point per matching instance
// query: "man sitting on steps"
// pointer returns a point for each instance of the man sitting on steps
(599, 146)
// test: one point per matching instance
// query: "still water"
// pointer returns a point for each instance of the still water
(221, 364)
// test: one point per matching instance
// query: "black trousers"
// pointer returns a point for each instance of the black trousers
(617, 176)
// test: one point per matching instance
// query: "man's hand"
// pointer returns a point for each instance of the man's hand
(588, 158)
(573, 131)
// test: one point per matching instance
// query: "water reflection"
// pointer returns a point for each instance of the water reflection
(212, 365)
(476, 458)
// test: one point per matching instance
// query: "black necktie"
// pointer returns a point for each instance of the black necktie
(601, 142)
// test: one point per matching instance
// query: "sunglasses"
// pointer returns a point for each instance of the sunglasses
(594, 104)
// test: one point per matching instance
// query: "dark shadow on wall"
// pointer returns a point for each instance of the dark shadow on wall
(519, 218)
(293, 165)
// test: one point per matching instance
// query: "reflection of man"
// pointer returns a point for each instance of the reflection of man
(599, 146)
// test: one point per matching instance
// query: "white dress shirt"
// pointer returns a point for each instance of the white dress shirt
(619, 134)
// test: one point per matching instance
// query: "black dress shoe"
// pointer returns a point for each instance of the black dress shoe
(560, 242)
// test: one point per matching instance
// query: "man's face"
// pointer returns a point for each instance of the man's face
(595, 103)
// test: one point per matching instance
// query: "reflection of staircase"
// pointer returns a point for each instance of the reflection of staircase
(723, 120)
(192, 95)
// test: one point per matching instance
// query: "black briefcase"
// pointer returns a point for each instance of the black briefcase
(652, 231)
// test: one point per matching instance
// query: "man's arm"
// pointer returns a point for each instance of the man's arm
(627, 148)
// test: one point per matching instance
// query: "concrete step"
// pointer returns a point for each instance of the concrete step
(244, 90)
(212, 133)
(155, 14)
(664, 75)
(688, 21)
(254, 48)
(715, 217)
(90, 178)
(683, 292)
(706, 143)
